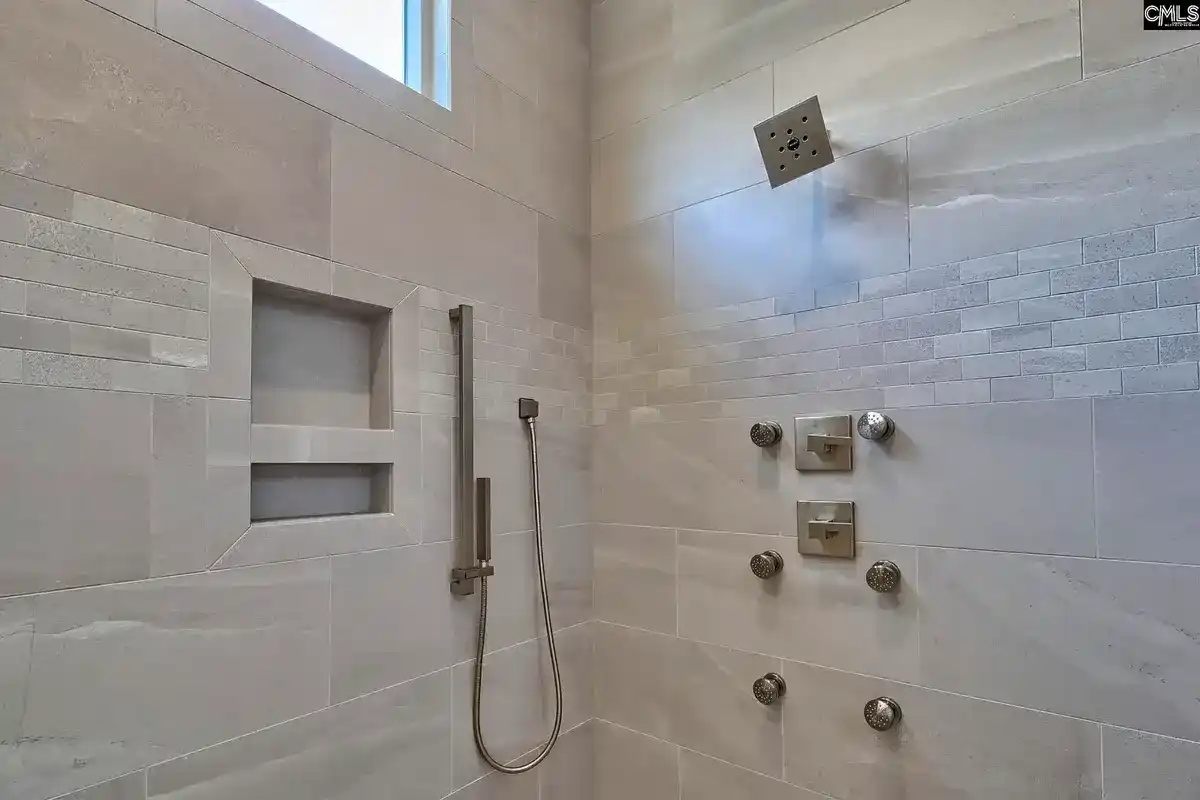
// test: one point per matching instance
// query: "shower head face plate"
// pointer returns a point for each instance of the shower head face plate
(794, 142)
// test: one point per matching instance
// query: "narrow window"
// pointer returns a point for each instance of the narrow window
(407, 40)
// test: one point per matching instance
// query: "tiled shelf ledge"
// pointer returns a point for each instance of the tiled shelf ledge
(302, 444)
(315, 537)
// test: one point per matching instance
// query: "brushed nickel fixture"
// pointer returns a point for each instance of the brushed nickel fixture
(882, 713)
(475, 519)
(875, 426)
(883, 576)
(794, 143)
(825, 529)
(769, 688)
(767, 433)
(824, 443)
(766, 565)
(474, 529)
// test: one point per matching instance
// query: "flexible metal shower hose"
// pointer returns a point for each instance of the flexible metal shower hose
(544, 750)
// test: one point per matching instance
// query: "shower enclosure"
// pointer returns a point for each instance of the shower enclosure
(535, 436)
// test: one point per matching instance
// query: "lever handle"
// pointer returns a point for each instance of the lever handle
(820, 529)
(483, 519)
(821, 443)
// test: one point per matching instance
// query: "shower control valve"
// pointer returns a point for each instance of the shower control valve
(882, 713)
(766, 565)
(769, 688)
(875, 426)
(766, 433)
(883, 576)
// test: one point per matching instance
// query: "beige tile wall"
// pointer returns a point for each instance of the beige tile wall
(151, 645)
(1003, 256)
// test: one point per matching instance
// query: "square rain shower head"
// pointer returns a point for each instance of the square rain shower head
(794, 142)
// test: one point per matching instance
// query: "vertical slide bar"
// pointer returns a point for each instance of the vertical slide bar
(462, 581)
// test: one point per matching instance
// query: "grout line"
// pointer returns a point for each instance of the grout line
(329, 633)
(1082, 54)
(677, 580)
(680, 749)
(1095, 467)
(231, 548)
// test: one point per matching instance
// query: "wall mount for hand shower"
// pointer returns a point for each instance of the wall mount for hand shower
(794, 142)
(527, 408)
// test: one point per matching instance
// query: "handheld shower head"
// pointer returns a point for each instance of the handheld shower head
(527, 408)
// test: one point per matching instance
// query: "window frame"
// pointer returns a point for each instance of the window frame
(438, 58)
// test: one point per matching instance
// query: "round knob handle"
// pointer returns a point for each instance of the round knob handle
(769, 688)
(883, 576)
(882, 713)
(876, 426)
(766, 434)
(766, 564)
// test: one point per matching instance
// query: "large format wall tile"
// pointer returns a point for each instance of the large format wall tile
(635, 576)
(993, 179)
(634, 687)
(1028, 465)
(570, 771)
(127, 787)
(699, 475)
(126, 675)
(1141, 766)
(1103, 640)
(929, 62)
(506, 141)
(112, 109)
(75, 496)
(630, 766)
(815, 610)
(497, 786)
(631, 62)
(16, 645)
(717, 40)
(179, 502)
(1113, 37)
(1006, 476)
(517, 710)
(564, 275)
(1144, 512)
(505, 43)
(728, 723)
(688, 153)
(374, 647)
(633, 272)
(704, 778)
(569, 567)
(842, 224)
(694, 694)
(945, 747)
(565, 464)
(401, 216)
(366, 748)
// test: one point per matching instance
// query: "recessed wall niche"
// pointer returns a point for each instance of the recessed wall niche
(319, 360)
(299, 491)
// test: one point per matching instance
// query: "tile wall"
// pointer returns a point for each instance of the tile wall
(1003, 257)
(151, 646)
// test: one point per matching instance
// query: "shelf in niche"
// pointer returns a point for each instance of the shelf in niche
(319, 361)
(310, 491)
(303, 444)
